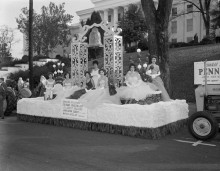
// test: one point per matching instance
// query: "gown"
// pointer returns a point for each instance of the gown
(65, 91)
(95, 76)
(136, 88)
(77, 94)
(159, 83)
(49, 89)
(94, 98)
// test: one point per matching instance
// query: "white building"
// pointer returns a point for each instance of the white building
(181, 29)
(22, 67)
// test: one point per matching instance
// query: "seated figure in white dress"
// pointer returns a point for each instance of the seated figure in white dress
(49, 87)
(95, 73)
(67, 83)
(67, 89)
(136, 88)
(94, 98)
(153, 70)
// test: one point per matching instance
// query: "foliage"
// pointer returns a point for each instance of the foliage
(49, 28)
(133, 24)
(25, 58)
(96, 17)
(143, 44)
(6, 41)
(216, 15)
(82, 23)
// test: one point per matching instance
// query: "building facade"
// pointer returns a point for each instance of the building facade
(183, 25)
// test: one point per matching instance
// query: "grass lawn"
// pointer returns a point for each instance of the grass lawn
(181, 67)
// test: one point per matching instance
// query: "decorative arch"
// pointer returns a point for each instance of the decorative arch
(113, 53)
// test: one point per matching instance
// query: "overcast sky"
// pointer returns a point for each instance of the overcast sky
(10, 9)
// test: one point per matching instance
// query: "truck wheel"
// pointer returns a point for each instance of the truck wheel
(203, 126)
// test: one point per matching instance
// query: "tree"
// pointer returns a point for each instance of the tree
(23, 25)
(95, 18)
(216, 15)
(6, 41)
(157, 25)
(82, 23)
(133, 25)
(203, 7)
(50, 28)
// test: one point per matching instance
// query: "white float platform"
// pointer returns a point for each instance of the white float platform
(141, 117)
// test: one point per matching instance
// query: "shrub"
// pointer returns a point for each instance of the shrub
(178, 44)
(131, 49)
(206, 41)
(143, 44)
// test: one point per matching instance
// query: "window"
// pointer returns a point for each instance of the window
(174, 11)
(174, 40)
(188, 39)
(189, 23)
(109, 18)
(174, 27)
(189, 8)
(119, 16)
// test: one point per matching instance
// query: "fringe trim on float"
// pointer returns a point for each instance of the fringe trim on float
(147, 133)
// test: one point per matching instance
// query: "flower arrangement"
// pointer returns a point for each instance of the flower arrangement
(58, 72)
(58, 69)
(142, 67)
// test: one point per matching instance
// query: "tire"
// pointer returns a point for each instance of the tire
(203, 126)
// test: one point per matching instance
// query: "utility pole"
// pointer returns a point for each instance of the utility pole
(31, 45)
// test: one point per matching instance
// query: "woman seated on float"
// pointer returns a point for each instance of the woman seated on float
(41, 88)
(136, 88)
(88, 84)
(67, 82)
(95, 73)
(153, 70)
(100, 95)
(20, 83)
(64, 91)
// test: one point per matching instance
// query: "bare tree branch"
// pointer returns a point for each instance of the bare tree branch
(193, 4)
(184, 13)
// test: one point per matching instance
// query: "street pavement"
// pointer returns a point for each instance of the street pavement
(37, 147)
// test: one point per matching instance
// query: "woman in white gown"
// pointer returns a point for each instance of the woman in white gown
(94, 98)
(136, 88)
(49, 86)
(153, 70)
(95, 73)
(20, 83)
(67, 89)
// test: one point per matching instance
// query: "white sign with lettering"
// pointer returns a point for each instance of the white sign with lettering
(212, 72)
(74, 109)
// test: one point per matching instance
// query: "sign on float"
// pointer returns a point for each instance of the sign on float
(74, 109)
(212, 71)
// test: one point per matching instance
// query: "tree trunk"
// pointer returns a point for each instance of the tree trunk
(157, 25)
(207, 24)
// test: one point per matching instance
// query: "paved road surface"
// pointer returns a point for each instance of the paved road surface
(29, 146)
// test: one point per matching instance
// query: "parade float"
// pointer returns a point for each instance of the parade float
(151, 118)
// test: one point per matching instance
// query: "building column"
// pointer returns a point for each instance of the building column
(115, 15)
(105, 17)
